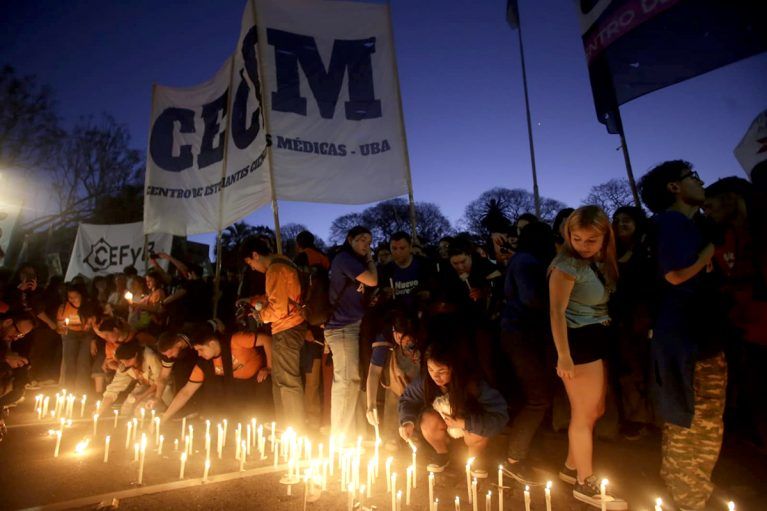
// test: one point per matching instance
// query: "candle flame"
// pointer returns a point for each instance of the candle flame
(548, 485)
(731, 506)
(81, 446)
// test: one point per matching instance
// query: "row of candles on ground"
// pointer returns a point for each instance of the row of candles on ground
(292, 449)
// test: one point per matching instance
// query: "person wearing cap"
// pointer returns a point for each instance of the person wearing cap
(140, 364)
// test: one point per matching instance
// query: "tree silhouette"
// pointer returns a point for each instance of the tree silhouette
(611, 195)
(509, 203)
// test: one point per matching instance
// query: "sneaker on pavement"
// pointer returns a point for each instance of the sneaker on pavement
(568, 475)
(439, 463)
(522, 472)
(590, 493)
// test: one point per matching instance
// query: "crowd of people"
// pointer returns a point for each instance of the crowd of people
(662, 319)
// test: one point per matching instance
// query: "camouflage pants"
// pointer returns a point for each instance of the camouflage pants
(689, 454)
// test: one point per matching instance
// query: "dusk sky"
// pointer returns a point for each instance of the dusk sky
(461, 86)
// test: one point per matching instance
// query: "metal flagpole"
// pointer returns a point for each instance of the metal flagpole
(265, 107)
(536, 194)
(225, 141)
(408, 175)
(627, 160)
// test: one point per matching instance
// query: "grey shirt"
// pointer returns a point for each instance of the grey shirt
(588, 300)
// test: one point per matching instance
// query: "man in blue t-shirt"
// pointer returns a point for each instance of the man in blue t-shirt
(406, 278)
(690, 372)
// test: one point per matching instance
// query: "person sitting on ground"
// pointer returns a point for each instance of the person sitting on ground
(450, 403)
(231, 366)
(140, 364)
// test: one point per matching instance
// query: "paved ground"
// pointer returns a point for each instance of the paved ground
(31, 476)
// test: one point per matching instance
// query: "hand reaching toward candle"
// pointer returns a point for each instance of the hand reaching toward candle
(372, 417)
(452, 422)
(406, 431)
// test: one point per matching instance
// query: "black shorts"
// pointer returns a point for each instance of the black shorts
(588, 343)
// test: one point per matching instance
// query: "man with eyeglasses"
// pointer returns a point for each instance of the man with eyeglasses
(689, 370)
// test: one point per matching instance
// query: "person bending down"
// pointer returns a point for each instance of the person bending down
(137, 363)
(234, 364)
(450, 404)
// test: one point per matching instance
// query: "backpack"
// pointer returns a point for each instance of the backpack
(315, 295)
(314, 306)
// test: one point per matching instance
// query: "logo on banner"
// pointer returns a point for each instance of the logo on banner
(350, 59)
(102, 255)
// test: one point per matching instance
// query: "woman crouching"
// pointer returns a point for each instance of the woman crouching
(449, 403)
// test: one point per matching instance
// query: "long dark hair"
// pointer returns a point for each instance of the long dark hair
(448, 347)
(537, 239)
(353, 233)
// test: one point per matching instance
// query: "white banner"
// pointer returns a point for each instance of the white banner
(9, 213)
(186, 189)
(334, 106)
(105, 249)
(752, 149)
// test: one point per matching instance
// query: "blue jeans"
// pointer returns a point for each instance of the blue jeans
(344, 344)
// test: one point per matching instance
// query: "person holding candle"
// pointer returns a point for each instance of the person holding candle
(75, 320)
(394, 363)
(231, 367)
(140, 364)
(581, 278)
(281, 307)
(151, 304)
(451, 403)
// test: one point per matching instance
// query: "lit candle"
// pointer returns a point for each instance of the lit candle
(274, 439)
(129, 297)
(603, 494)
(58, 444)
(488, 501)
(46, 404)
(408, 484)
(415, 465)
(389, 461)
(730, 506)
(527, 498)
(431, 490)
(393, 482)
(658, 504)
(141, 459)
(457, 503)
(369, 479)
(468, 478)
(220, 440)
(243, 453)
(399, 500)
(500, 487)
(175, 445)
(116, 412)
(474, 499)
(436, 505)
(98, 406)
(159, 448)
(156, 422)
(135, 429)
(183, 429)
(205, 472)
(548, 496)
(106, 449)
(191, 438)
(183, 464)
(128, 436)
(248, 435)
(142, 413)
(82, 406)
(135, 451)
(253, 431)
(95, 424)
(207, 426)
(207, 445)
(226, 429)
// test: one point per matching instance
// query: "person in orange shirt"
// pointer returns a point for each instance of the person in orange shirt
(233, 362)
(75, 321)
(281, 307)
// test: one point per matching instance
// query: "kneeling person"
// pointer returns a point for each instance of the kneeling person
(137, 363)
